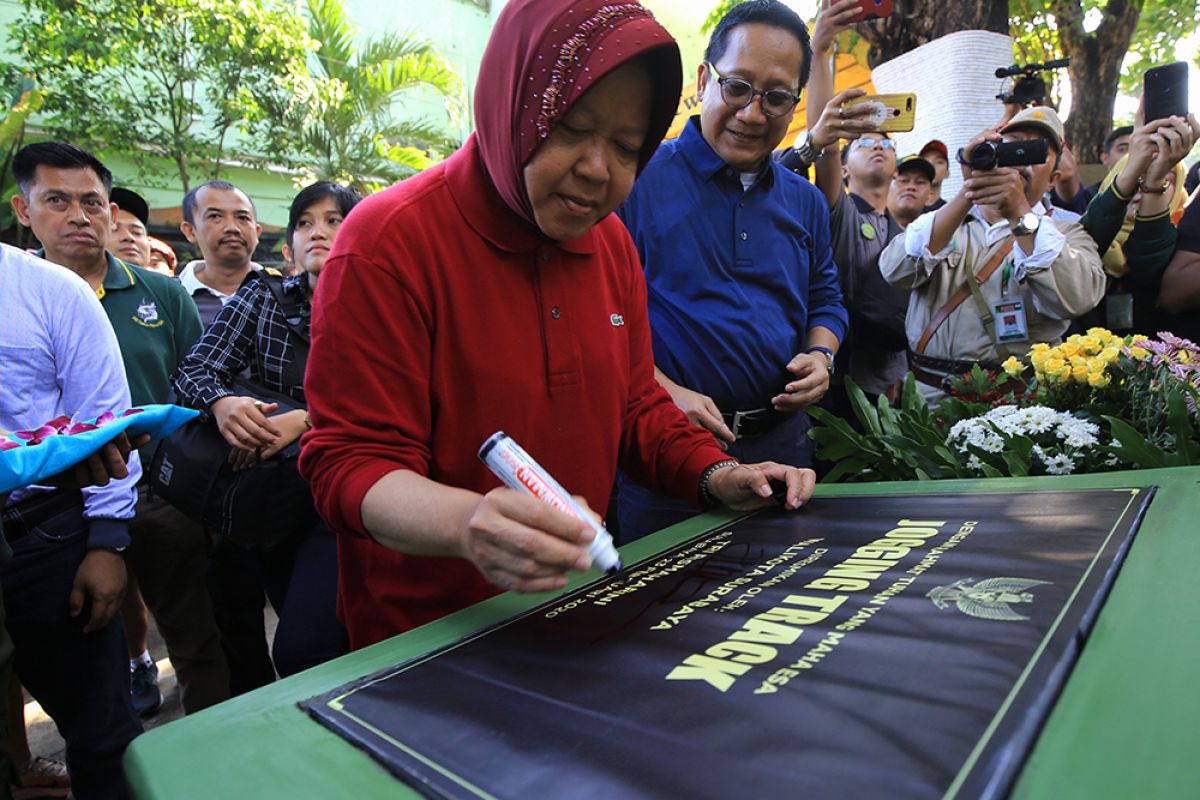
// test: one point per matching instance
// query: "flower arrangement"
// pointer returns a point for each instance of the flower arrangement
(1092, 403)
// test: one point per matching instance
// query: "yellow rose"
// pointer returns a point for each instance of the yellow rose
(1080, 373)
(1089, 344)
(1097, 364)
(1098, 332)
(1139, 353)
(1109, 355)
(1013, 367)
(1069, 349)
(1098, 380)
(1055, 365)
(1040, 347)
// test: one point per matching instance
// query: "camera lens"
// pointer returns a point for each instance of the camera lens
(982, 157)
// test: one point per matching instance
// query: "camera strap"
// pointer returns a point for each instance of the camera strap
(970, 287)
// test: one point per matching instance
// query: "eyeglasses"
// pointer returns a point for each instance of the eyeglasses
(738, 94)
(886, 144)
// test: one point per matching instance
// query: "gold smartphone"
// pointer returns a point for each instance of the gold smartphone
(894, 112)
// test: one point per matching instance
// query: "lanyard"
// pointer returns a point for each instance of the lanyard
(1004, 278)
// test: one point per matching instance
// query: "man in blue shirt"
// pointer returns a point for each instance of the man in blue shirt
(743, 293)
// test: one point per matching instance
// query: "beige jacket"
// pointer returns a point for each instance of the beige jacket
(1062, 279)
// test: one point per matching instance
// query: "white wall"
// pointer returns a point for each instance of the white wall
(956, 87)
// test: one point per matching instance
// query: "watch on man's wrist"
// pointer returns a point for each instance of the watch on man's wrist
(804, 149)
(117, 550)
(1026, 224)
(825, 351)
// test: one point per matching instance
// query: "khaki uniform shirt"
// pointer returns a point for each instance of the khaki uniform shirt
(1062, 279)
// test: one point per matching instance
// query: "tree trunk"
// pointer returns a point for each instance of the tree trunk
(918, 22)
(1095, 70)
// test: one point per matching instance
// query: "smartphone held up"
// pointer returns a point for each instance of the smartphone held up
(1165, 91)
(891, 113)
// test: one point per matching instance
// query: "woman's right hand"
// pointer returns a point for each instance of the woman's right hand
(244, 423)
(522, 544)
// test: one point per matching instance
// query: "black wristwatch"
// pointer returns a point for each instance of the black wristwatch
(825, 351)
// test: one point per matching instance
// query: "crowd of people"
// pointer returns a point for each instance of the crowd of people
(649, 319)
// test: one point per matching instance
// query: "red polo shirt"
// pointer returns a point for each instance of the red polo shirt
(441, 318)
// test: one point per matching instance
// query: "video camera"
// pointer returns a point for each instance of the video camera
(990, 155)
(1028, 89)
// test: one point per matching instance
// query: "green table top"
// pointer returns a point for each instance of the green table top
(1126, 725)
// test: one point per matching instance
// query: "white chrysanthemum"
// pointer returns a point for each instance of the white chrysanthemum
(1061, 464)
(975, 464)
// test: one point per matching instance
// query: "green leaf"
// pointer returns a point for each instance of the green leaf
(1133, 447)
(862, 409)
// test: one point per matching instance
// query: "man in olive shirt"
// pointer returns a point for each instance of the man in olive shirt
(65, 201)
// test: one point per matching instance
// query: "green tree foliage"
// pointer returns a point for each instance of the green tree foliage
(343, 118)
(174, 79)
(26, 98)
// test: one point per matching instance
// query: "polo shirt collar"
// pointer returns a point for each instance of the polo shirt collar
(705, 161)
(862, 205)
(490, 217)
(119, 276)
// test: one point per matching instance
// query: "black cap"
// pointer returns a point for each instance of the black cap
(131, 201)
(919, 164)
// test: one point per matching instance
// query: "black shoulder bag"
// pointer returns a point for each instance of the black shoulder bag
(258, 508)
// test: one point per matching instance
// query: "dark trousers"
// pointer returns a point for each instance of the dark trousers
(299, 579)
(169, 555)
(642, 512)
(81, 680)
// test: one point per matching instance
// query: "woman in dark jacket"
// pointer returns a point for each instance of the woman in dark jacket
(255, 333)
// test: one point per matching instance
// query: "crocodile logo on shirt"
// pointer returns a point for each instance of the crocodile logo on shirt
(147, 314)
(617, 321)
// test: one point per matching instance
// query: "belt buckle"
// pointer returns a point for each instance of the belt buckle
(736, 426)
(746, 416)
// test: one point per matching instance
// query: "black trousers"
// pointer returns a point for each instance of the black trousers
(299, 579)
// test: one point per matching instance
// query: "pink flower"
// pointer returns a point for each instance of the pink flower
(1178, 342)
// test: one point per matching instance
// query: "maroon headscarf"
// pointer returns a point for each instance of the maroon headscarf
(542, 56)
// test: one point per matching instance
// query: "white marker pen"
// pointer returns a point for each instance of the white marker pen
(519, 471)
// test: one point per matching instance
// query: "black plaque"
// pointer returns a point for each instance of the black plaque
(899, 646)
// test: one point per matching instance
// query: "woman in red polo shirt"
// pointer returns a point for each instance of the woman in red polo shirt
(496, 291)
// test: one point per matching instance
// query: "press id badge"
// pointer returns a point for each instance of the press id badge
(1010, 321)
